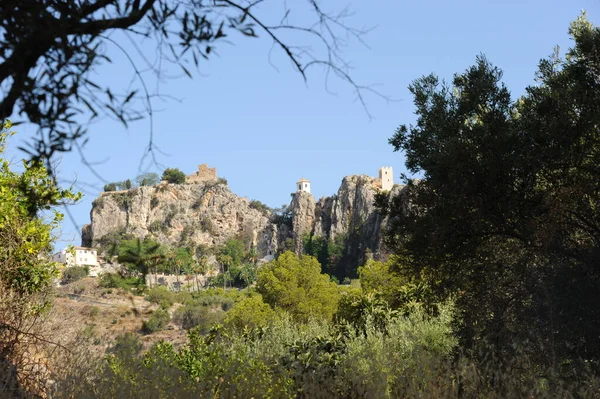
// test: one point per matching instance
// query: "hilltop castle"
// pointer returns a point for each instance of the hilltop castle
(203, 174)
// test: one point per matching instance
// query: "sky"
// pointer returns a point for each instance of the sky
(248, 113)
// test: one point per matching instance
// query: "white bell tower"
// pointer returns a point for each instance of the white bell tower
(303, 185)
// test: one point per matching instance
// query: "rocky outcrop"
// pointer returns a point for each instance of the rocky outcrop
(208, 213)
(204, 213)
(349, 217)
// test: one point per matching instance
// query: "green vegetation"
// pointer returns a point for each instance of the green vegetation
(157, 321)
(249, 313)
(110, 280)
(259, 206)
(27, 221)
(297, 286)
(492, 290)
(147, 179)
(173, 176)
(74, 273)
(507, 216)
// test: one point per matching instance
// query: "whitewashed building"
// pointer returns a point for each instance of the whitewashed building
(78, 256)
(303, 185)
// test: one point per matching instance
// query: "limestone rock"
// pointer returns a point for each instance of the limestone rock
(208, 213)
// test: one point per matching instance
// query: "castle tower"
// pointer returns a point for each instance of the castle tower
(386, 175)
(303, 185)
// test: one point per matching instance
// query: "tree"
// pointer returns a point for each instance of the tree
(249, 313)
(50, 50)
(142, 255)
(146, 179)
(507, 214)
(26, 272)
(296, 285)
(174, 176)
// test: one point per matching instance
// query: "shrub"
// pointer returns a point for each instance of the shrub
(161, 295)
(74, 273)
(297, 286)
(157, 321)
(249, 313)
(126, 346)
(174, 176)
(110, 280)
(195, 315)
(147, 179)
(259, 206)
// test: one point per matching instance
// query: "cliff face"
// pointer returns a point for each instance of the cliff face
(348, 222)
(205, 213)
(346, 225)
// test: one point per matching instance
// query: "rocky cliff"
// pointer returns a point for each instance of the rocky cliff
(341, 230)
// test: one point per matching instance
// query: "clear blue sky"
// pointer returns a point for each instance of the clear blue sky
(264, 129)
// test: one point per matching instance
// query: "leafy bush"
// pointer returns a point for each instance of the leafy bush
(249, 313)
(157, 321)
(126, 346)
(259, 206)
(110, 280)
(165, 298)
(74, 273)
(297, 286)
(198, 316)
(173, 176)
(160, 295)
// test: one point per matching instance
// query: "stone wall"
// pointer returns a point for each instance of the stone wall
(177, 283)
(203, 174)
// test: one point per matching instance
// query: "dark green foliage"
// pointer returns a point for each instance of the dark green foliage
(282, 216)
(154, 202)
(110, 187)
(259, 206)
(507, 215)
(330, 254)
(173, 176)
(141, 256)
(110, 280)
(74, 273)
(196, 315)
(157, 321)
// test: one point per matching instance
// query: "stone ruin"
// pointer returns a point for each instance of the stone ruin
(203, 174)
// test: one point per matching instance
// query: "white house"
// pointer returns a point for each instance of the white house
(79, 256)
(303, 185)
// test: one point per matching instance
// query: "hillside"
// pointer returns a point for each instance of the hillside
(341, 229)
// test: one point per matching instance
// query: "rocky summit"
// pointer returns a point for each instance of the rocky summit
(207, 213)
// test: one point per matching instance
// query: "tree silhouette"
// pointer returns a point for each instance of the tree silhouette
(50, 49)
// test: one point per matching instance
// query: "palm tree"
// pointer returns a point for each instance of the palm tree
(142, 255)
(253, 255)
